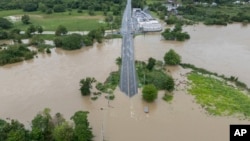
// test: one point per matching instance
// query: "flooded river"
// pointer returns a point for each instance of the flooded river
(53, 81)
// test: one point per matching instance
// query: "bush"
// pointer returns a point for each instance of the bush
(25, 19)
(5, 24)
(175, 34)
(61, 30)
(172, 58)
(59, 8)
(36, 40)
(3, 35)
(58, 42)
(86, 85)
(29, 7)
(149, 93)
(160, 80)
(87, 40)
(71, 42)
(15, 54)
(151, 63)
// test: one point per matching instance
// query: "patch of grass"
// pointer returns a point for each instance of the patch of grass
(217, 97)
(232, 79)
(73, 22)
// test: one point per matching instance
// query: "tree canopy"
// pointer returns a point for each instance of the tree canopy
(172, 58)
(86, 85)
(71, 42)
(45, 127)
(149, 93)
(5, 24)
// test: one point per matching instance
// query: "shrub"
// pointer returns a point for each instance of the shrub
(172, 58)
(160, 80)
(149, 93)
(71, 42)
(59, 8)
(58, 42)
(29, 7)
(5, 24)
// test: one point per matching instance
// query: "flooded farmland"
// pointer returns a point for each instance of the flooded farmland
(53, 81)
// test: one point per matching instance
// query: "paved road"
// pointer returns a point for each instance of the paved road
(128, 80)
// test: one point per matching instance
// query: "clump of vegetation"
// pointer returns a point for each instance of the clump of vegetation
(149, 93)
(217, 97)
(72, 42)
(172, 58)
(61, 30)
(25, 19)
(173, 19)
(15, 53)
(232, 79)
(5, 24)
(86, 85)
(110, 83)
(76, 41)
(157, 77)
(47, 127)
(168, 97)
(175, 34)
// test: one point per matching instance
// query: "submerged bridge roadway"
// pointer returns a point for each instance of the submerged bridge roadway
(128, 80)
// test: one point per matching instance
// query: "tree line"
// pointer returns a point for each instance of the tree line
(45, 127)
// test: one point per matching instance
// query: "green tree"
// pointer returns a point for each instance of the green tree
(87, 40)
(61, 30)
(5, 24)
(42, 126)
(91, 10)
(63, 132)
(36, 40)
(29, 7)
(25, 19)
(86, 85)
(39, 29)
(13, 131)
(151, 63)
(160, 80)
(82, 131)
(58, 42)
(3, 34)
(172, 58)
(30, 30)
(59, 8)
(71, 42)
(149, 93)
(42, 7)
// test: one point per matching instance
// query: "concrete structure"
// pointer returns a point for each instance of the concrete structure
(145, 22)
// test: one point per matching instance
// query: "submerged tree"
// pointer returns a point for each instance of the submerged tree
(86, 85)
(82, 131)
(149, 93)
(172, 58)
(151, 63)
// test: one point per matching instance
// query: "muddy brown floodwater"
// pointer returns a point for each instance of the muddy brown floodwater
(53, 81)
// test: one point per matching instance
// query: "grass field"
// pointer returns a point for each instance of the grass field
(217, 97)
(73, 21)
